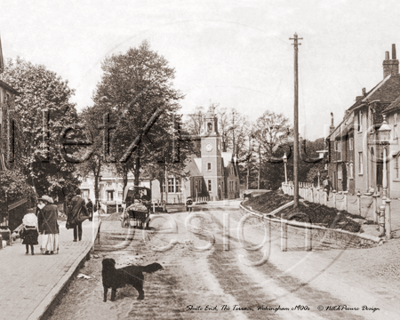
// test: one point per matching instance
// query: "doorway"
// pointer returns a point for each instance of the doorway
(379, 175)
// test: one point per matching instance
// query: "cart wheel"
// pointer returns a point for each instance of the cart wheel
(123, 223)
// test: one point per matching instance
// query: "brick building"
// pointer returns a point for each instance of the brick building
(355, 162)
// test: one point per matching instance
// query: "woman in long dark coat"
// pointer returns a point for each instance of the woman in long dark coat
(48, 226)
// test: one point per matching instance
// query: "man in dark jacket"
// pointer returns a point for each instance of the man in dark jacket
(77, 211)
(89, 207)
(327, 186)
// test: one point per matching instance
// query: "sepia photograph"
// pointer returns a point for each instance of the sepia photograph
(199, 159)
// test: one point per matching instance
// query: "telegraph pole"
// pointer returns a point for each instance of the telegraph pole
(296, 122)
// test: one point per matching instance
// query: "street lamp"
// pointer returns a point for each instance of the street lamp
(319, 185)
(384, 140)
(284, 165)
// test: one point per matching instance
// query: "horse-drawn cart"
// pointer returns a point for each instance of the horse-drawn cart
(137, 208)
(137, 214)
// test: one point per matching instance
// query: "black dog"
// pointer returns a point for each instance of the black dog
(118, 278)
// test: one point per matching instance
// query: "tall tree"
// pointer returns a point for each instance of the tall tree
(91, 160)
(271, 131)
(136, 87)
(42, 110)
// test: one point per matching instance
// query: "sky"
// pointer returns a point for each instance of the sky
(234, 53)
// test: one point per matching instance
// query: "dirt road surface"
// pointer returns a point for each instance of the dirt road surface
(209, 273)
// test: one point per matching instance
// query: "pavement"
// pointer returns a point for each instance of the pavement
(368, 214)
(29, 285)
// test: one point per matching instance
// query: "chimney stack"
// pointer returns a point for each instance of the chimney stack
(393, 51)
(332, 127)
(390, 66)
(364, 92)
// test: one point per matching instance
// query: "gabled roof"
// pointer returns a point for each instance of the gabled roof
(393, 106)
(386, 90)
(193, 167)
(374, 93)
(227, 156)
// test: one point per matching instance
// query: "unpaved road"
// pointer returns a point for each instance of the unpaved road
(203, 279)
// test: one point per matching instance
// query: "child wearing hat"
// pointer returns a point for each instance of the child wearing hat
(29, 232)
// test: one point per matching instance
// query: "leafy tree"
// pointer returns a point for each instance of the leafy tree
(271, 133)
(136, 88)
(91, 160)
(43, 95)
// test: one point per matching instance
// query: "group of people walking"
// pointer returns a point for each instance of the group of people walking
(44, 222)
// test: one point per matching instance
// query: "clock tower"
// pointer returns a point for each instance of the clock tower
(212, 161)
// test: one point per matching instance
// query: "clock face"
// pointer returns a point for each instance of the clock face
(209, 147)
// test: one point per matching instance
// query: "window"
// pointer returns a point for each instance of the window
(359, 121)
(209, 185)
(338, 145)
(351, 142)
(209, 166)
(396, 166)
(170, 184)
(236, 186)
(360, 163)
(351, 168)
(177, 185)
(110, 195)
(198, 185)
(339, 172)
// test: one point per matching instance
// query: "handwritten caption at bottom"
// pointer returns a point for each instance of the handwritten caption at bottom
(245, 308)
(278, 308)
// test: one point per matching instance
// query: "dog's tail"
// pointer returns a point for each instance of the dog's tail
(150, 268)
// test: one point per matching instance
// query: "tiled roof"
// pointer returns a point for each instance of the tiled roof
(192, 168)
(386, 90)
(393, 106)
(227, 156)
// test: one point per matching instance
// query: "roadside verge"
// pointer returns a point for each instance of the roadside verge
(329, 237)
